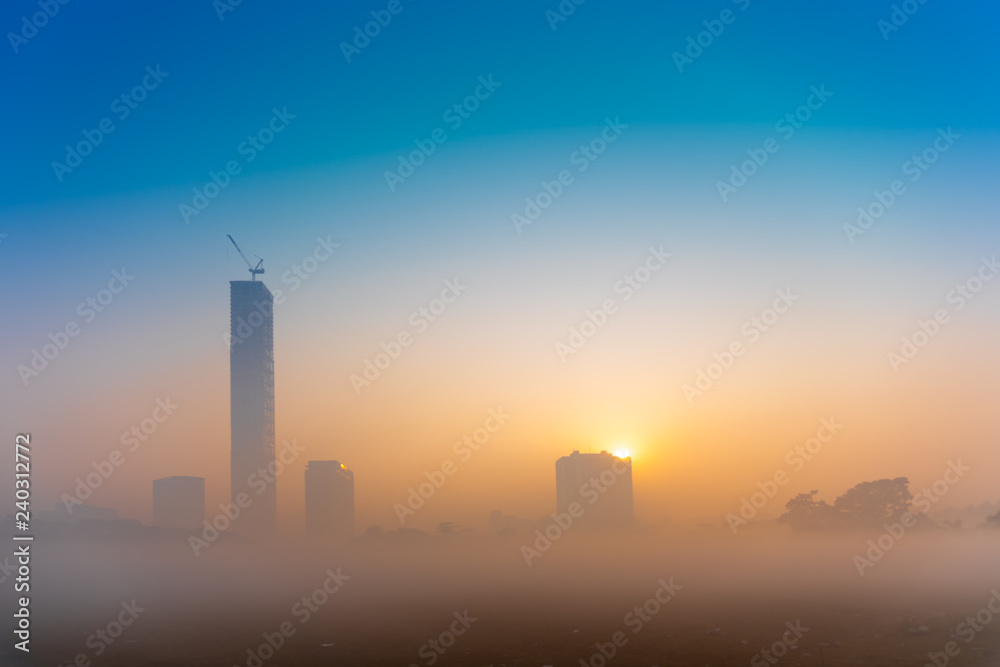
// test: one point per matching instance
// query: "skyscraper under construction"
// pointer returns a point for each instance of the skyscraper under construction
(251, 391)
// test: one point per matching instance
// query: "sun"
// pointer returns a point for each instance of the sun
(622, 451)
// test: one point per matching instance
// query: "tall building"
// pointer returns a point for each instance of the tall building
(251, 394)
(179, 502)
(329, 500)
(600, 483)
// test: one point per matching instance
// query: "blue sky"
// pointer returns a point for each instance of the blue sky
(606, 58)
(325, 172)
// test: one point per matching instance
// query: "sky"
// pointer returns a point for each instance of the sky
(632, 141)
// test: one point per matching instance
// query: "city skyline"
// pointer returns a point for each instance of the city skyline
(377, 500)
(354, 259)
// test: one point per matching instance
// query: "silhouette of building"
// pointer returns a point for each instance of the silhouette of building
(179, 502)
(251, 390)
(329, 500)
(600, 483)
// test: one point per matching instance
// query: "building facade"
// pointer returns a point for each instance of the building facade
(601, 484)
(251, 387)
(329, 500)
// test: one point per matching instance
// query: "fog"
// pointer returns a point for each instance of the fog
(694, 595)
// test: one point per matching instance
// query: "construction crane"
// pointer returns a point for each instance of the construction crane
(254, 270)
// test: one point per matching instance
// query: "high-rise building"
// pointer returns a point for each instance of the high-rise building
(600, 483)
(251, 394)
(179, 502)
(329, 500)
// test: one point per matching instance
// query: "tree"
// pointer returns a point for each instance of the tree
(869, 505)
(873, 504)
(804, 513)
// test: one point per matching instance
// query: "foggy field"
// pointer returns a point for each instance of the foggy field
(731, 598)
